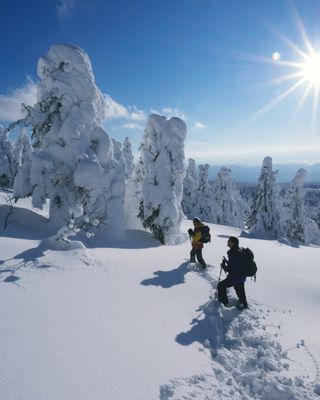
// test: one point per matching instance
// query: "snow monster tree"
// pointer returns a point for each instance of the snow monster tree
(227, 203)
(190, 187)
(73, 162)
(264, 217)
(293, 217)
(162, 161)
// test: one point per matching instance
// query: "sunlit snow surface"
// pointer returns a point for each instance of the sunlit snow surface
(136, 321)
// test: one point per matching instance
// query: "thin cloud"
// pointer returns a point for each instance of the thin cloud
(169, 112)
(114, 109)
(200, 125)
(136, 114)
(199, 143)
(10, 104)
(132, 126)
(66, 7)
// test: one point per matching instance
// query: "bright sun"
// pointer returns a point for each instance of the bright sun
(302, 74)
(311, 69)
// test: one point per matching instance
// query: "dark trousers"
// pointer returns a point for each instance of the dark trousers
(197, 253)
(238, 287)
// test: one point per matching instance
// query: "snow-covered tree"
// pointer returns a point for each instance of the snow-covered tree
(162, 161)
(203, 206)
(22, 153)
(117, 190)
(292, 212)
(134, 177)
(128, 158)
(190, 187)
(312, 232)
(7, 165)
(227, 203)
(312, 201)
(133, 197)
(264, 212)
(73, 162)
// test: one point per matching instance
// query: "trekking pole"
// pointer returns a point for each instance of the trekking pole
(219, 275)
(216, 294)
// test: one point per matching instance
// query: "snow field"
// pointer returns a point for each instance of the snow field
(136, 321)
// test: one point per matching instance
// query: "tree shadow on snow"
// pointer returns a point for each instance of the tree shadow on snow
(167, 279)
(223, 236)
(29, 258)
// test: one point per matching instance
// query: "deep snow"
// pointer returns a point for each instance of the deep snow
(134, 320)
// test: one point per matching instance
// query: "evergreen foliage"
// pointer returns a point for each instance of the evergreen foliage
(23, 157)
(7, 165)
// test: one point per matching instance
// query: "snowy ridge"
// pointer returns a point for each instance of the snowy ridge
(247, 361)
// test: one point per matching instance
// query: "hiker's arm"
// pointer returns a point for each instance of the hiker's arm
(224, 264)
(231, 263)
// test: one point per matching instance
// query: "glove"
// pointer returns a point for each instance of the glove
(190, 231)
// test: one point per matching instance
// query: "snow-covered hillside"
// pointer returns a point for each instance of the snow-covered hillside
(136, 321)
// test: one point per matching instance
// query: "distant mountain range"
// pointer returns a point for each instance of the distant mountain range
(286, 172)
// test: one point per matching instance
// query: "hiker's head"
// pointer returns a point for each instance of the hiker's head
(233, 241)
(196, 221)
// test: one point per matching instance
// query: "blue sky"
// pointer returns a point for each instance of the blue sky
(210, 62)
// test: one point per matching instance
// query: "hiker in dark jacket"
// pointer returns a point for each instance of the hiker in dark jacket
(197, 243)
(234, 277)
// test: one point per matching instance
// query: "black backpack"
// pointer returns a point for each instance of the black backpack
(247, 265)
(205, 234)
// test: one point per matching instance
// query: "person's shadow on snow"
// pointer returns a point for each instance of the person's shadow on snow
(210, 326)
(167, 279)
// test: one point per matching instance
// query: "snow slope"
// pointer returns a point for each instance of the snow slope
(136, 321)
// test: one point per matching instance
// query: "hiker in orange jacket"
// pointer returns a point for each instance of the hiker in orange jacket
(197, 243)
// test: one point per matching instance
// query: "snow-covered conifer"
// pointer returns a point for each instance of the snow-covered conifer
(73, 161)
(312, 201)
(292, 212)
(227, 203)
(133, 197)
(190, 187)
(117, 189)
(22, 152)
(312, 232)
(7, 165)
(203, 207)
(128, 158)
(162, 161)
(264, 211)
(134, 178)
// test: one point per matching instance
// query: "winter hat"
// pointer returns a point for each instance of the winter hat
(196, 220)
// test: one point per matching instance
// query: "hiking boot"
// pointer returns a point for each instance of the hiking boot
(241, 306)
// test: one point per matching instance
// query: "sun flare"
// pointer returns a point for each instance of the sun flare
(301, 75)
(311, 69)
